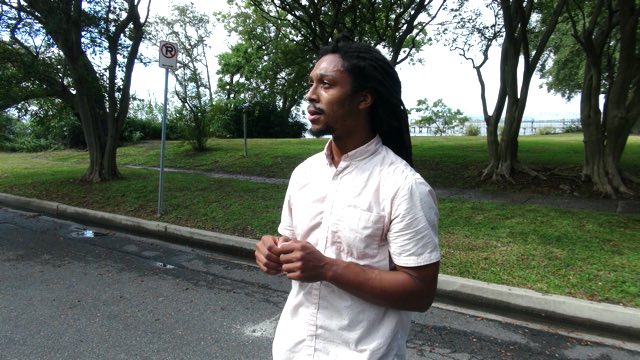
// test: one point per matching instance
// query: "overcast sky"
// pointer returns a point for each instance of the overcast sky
(444, 74)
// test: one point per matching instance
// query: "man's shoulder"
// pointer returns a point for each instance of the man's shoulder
(393, 166)
(314, 159)
(311, 162)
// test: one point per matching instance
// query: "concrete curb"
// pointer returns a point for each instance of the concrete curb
(592, 317)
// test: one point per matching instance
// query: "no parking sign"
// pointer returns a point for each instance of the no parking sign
(168, 61)
(168, 55)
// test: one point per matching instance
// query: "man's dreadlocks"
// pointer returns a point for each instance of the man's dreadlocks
(372, 72)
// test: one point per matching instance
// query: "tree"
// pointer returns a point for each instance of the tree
(600, 47)
(279, 39)
(265, 64)
(524, 28)
(82, 53)
(192, 32)
(398, 26)
(438, 115)
(474, 32)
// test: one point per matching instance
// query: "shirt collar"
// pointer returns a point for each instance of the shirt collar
(358, 154)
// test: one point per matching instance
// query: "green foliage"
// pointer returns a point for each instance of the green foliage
(545, 130)
(562, 65)
(25, 76)
(136, 130)
(39, 125)
(10, 130)
(53, 121)
(264, 120)
(397, 27)
(267, 62)
(80, 52)
(573, 127)
(192, 32)
(439, 116)
(196, 130)
(277, 41)
(472, 130)
(143, 123)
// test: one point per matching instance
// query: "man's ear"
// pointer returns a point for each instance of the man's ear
(366, 99)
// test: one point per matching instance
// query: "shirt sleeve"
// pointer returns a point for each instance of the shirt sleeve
(286, 227)
(413, 230)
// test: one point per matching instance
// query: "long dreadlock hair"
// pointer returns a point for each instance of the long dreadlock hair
(371, 71)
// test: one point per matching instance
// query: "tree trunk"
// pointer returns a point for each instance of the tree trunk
(593, 137)
(492, 147)
(606, 134)
(101, 145)
(508, 148)
(503, 156)
(492, 121)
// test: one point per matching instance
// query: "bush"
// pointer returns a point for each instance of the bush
(137, 129)
(472, 130)
(15, 136)
(264, 120)
(194, 128)
(545, 130)
(53, 122)
(8, 127)
(573, 127)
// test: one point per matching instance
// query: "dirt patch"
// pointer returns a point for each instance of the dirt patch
(556, 182)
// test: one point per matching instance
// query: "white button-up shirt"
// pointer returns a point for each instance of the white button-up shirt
(374, 210)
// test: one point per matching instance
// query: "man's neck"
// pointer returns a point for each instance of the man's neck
(343, 145)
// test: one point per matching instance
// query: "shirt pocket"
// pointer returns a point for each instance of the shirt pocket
(357, 235)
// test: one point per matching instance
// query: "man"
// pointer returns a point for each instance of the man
(359, 225)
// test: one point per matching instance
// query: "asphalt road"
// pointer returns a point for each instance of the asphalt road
(67, 295)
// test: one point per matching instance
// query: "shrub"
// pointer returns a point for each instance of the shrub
(264, 120)
(16, 136)
(53, 121)
(137, 129)
(472, 130)
(573, 127)
(194, 128)
(545, 130)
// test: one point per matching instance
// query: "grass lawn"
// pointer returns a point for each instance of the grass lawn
(584, 254)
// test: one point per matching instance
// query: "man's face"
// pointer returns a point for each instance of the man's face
(331, 102)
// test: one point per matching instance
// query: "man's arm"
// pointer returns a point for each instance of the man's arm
(403, 288)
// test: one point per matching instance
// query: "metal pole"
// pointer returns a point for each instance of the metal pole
(162, 141)
(244, 126)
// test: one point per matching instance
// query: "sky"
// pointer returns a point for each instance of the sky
(442, 75)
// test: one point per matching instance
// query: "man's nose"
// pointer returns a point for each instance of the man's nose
(310, 96)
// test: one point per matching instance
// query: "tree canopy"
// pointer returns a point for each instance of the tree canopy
(192, 31)
(82, 53)
(278, 40)
(439, 116)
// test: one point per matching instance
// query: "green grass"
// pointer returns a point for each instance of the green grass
(443, 161)
(584, 254)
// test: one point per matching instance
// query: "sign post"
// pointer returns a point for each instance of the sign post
(169, 61)
(244, 129)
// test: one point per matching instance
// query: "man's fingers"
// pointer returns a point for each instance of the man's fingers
(266, 264)
(268, 255)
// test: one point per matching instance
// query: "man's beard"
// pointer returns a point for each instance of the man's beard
(325, 129)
